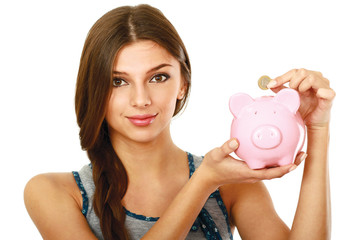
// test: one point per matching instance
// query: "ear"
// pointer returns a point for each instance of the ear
(238, 101)
(290, 98)
(182, 90)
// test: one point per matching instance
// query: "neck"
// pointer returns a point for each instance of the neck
(148, 159)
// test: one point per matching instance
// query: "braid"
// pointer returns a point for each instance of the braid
(111, 182)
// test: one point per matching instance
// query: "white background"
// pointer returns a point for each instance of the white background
(230, 43)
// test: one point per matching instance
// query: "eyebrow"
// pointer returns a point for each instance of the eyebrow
(151, 70)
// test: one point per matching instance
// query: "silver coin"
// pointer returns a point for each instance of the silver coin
(263, 82)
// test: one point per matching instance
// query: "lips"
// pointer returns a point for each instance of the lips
(142, 120)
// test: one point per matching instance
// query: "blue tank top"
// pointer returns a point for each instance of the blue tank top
(211, 223)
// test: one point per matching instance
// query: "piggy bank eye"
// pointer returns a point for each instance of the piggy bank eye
(274, 111)
(255, 112)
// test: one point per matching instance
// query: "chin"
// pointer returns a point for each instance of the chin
(143, 137)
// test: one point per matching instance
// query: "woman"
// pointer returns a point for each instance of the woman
(134, 76)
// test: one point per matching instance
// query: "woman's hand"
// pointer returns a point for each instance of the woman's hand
(315, 94)
(313, 215)
(219, 168)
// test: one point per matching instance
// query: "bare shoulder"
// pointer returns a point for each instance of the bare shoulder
(54, 203)
(252, 211)
(52, 185)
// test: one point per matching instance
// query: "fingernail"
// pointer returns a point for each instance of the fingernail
(303, 157)
(233, 144)
(292, 168)
(271, 84)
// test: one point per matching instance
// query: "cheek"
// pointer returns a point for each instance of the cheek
(166, 98)
(114, 107)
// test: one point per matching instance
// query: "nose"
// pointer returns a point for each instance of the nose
(267, 137)
(140, 96)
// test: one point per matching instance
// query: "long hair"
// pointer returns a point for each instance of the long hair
(111, 32)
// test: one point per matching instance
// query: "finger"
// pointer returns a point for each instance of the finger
(271, 173)
(301, 80)
(305, 85)
(227, 148)
(314, 81)
(326, 93)
(300, 157)
(281, 80)
(298, 77)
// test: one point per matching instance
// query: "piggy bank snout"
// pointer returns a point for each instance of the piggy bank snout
(267, 137)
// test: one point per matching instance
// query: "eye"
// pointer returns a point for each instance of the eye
(158, 78)
(118, 82)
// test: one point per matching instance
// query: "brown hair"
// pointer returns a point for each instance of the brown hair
(112, 31)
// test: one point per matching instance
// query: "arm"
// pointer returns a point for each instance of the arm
(218, 168)
(313, 215)
(252, 212)
(52, 202)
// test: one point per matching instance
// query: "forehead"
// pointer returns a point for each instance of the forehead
(141, 55)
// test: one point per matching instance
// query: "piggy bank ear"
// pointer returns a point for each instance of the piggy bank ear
(238, 101)
(290, 98)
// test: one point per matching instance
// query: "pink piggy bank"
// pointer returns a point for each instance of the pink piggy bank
(270, 129)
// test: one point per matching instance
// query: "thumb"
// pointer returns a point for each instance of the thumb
(230, 146)
(277, 89)
(227, 148)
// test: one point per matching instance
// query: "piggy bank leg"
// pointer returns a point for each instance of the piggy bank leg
(256, 164)
(285, 161)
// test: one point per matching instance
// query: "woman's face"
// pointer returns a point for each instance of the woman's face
(146, 84)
